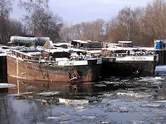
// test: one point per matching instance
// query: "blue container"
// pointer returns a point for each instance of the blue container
(159, 44)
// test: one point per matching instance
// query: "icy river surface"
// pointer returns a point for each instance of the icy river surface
(111, 101)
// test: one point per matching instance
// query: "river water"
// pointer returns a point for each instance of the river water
(112, 101)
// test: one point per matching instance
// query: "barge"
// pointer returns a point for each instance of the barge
(55, 65)
(126, 60)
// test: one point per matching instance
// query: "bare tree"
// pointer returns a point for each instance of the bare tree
(85, 31)
(69, 33)
(154, 20)
(45, 24)
(5, 8)
(40, 20)
(31, 5)
(8, 26)
(16, 28)
(141, 25)
(126, 26)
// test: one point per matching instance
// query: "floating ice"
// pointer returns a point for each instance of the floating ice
(6, 85)
(73, 101)
(48, 93)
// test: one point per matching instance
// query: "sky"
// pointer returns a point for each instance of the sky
(76, 11)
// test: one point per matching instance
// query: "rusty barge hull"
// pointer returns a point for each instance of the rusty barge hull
(30, 71)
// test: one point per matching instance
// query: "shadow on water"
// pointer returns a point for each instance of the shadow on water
(116, 100)
(62, 88)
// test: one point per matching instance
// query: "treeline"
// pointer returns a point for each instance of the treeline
(8, 26)
(38, 20)
(141, 25)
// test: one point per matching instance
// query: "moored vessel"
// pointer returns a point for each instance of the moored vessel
(55, 64)
(125, 60)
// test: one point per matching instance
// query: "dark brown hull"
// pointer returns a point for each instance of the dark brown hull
(128, 69)
(3, 69)
(42, 72)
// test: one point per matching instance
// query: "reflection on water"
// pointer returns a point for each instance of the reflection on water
(113, 100)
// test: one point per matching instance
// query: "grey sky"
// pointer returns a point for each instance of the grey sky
(75, 11)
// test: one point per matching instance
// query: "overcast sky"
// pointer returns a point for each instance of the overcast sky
(75, 11)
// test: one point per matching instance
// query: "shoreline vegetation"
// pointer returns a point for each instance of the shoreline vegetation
(141, 25)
